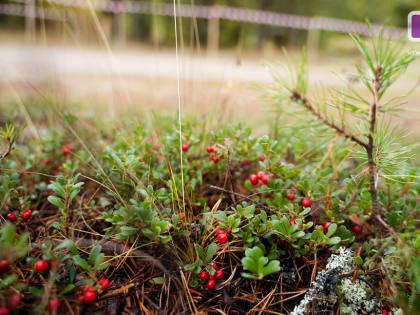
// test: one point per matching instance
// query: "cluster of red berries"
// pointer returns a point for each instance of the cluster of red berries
(222, 235)
(67, 149)
(213, 154)
(25, 215)
(13, 302)
(155, 150)
(89, 294)
(206, 276)
(306, 202)
(260, 176)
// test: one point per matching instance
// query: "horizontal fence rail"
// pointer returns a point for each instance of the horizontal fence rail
(210, 12)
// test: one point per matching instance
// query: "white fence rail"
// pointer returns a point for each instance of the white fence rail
(206, 12)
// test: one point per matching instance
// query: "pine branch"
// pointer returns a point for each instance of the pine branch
(311, 107)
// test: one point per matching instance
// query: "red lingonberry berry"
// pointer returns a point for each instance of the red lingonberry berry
(292, 222)
(218, 274)
(88, 288)
(204, 275)
(262, 158)
(56, 169)
(104, 283)
(45, 162)
(221, 156)
(54, 263)
(215, 160)
(67, 149)
(245, 162)
(384, 312)
(4, 311)
(185, 147)
(26, 214)
(264, 179)
(42, 265)
(290, 197)
(90, 295)
(4, 265)
(253, 179)
(210, 149)
(221, 231)
(54, 304)
(222, 238)
(211, 284)
(306, 202)
(14, 301)
(214, 265)
(356, 228)
(260, 174)
(11, 217)
(80, 298)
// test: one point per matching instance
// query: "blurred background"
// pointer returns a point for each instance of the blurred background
(117, 55)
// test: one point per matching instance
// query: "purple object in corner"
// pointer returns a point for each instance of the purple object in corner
(415, 26)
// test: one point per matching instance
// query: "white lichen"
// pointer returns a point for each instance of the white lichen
(397, 311)
(356, 296)
(341, 263)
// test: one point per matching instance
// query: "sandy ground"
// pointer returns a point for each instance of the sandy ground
(143, 78)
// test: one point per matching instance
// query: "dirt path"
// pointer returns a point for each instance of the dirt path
(146, 78)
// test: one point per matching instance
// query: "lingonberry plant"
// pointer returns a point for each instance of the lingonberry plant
(256, 223)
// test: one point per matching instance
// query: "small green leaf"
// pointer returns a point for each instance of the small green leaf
(35, 291)
(8, 280)
(67, 289)
(200, 251)
(272, 267)
(56, 202)
(211, 250)
(94, 253)
(69, 244)
(57, 189)
(334, 240)
(250, 264)
(249, 212)
(157, 280)
(331, 229)
(358, 260)
(165, 238)
(81, 262)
